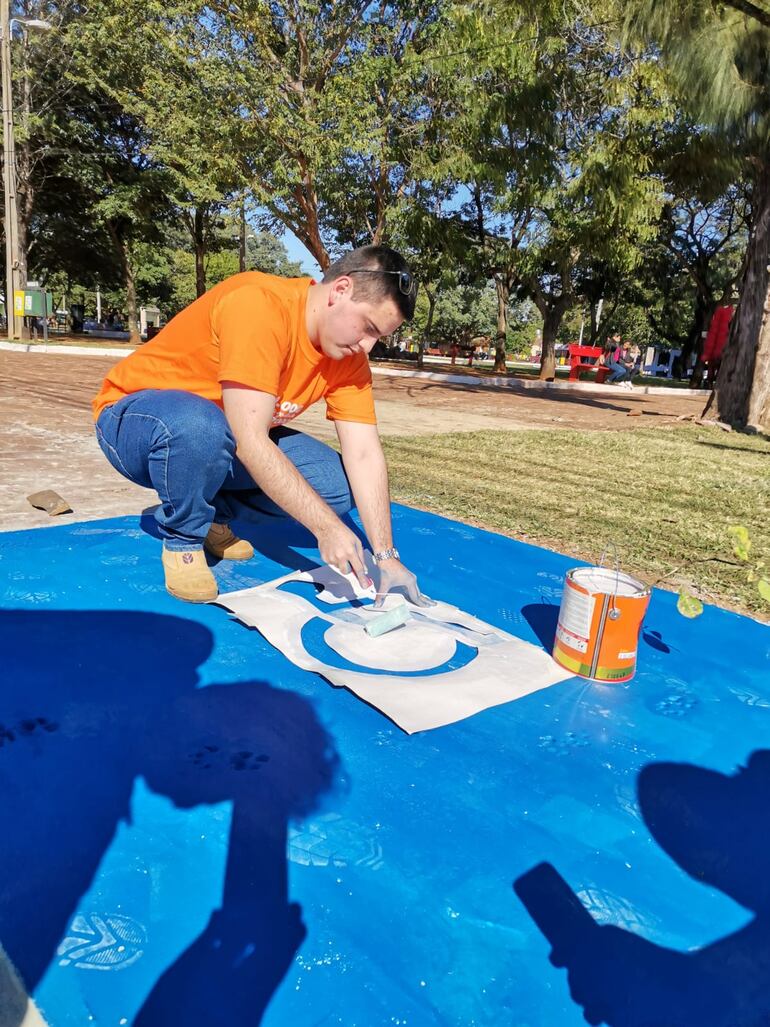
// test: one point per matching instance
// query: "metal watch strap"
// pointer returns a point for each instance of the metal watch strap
(386, 554)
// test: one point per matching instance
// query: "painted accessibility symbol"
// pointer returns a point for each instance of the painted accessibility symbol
(95, 942)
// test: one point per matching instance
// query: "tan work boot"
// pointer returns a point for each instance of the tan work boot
(221, 543)
(188, 576)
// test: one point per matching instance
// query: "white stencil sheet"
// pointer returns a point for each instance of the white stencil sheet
(504, 667)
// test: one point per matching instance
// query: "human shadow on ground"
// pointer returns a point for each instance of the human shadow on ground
(712, 825)
(93, 700)
(521, 392)
(736, 449)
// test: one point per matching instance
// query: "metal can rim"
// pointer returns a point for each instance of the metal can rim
(641, 590)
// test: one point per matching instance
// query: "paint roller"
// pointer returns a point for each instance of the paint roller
(385, 622)
(388, 621)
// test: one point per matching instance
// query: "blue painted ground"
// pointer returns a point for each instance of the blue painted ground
(194, 831)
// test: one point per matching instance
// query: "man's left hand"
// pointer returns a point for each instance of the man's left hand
(395, 579)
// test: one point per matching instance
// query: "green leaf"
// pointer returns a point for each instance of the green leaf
(763, 587)
(688, 605)
(742, 544)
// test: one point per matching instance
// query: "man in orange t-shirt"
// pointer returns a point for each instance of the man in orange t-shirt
(199, 415)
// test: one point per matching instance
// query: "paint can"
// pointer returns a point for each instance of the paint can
(600, 618)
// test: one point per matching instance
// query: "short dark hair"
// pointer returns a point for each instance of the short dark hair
(375, 287)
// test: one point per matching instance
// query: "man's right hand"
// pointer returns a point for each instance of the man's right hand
(341, 549)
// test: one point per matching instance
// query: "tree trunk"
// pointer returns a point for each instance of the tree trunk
(759, 399)
(242, 239)
(124, 255)
(743, 384)
(131, 308)
(428, 325)
(503, 295)
(199, 244)
(26, 197)
(315, 244)
(553, 315)
(704, 310)
(304, 222)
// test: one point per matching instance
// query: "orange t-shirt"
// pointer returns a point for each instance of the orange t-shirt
(248, 329)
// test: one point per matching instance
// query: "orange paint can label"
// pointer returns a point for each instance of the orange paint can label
(600, 619)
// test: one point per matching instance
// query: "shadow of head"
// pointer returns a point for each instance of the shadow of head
(247, 742)
(124, 688)
(712, 824)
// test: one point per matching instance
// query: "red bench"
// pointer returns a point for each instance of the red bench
(586, 358)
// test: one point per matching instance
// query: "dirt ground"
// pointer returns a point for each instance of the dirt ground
(48, 440)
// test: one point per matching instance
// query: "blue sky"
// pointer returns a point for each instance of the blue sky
(298, 252)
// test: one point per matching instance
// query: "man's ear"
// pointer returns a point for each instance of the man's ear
(340, 287)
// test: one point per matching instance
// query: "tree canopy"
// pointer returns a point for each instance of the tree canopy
(569, 157)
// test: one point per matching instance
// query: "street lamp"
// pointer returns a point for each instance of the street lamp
(13, 281)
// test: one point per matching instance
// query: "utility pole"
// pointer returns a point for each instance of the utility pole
(13, 281)
(12, 273)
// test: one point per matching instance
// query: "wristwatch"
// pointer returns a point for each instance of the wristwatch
(386, 554)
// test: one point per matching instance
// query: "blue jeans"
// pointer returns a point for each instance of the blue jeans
(618, 372)
(181, 445)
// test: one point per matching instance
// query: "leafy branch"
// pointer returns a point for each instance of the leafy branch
(690, 606)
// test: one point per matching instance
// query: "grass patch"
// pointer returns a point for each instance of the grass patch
(665, 496)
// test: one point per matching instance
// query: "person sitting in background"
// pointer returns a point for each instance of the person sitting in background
(628, 359)
(607, 356)
(615, 357)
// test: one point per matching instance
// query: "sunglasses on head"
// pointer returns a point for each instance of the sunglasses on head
(406, 283)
